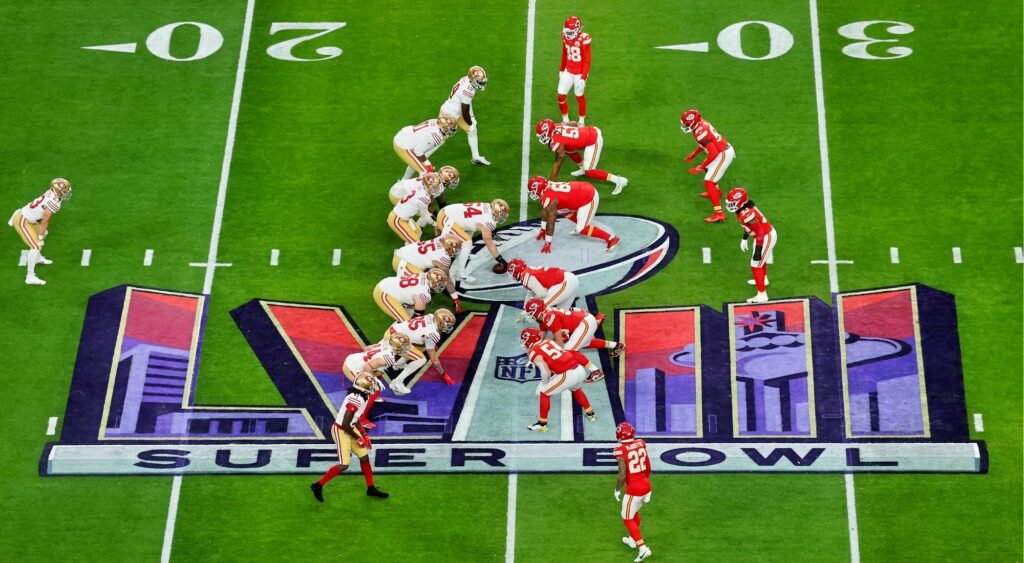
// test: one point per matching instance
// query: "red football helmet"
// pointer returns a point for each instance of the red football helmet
(572, 28)
(536, 186)
(515, 268)
(544, 130)
(529, 338)
(735, 199)
(689, 119)
(535, 308)
(624, 431)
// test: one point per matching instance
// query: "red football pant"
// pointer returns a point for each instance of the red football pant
(597, 174)
(597, 232)
(714, 194)
(578, 395)
(367, 472)
(634, 529)
(759, 275)
(581, 101)
(563, 106)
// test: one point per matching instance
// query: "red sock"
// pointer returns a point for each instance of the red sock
(369, 405)
(714, 194)
(636, 518)
(367, 472)
(545, 406)
(581, 398)
(634, 531)
(598, 174)
(563, 106)
(759, 274)
(597, 344)
(597, 232)
(576, 157)
(581, 101)
(331, 474)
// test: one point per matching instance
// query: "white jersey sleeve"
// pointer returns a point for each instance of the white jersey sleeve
(461, 93)
(34, 210)
(353, 402)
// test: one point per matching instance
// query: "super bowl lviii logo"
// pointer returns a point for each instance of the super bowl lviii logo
(871, 382)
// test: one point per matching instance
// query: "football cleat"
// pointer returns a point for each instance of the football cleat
(399, 388)
(366, 424)
(735, 199)
(445, 320)
(761, 297)
(645, 552)
(752, 282)
(400, 343)
(449, 177)
(318, 491)
(375, 492)
(620, 184)
(629, 541)
(43, 260)
(536, 186)
(499, 210)
(534, 308)
(578, 172)
(612, 243)
(716, 217)
(481, 161)
(539, 426)
(61, 187)
(617, 350)
(365, 381)
(452, 245)
(572, 28)
(477, 77)
(448, 124)
(436, 279)
(624, 431)
(594, 377)
(515, 268)
(591, 415)
(33, 280)
(529, 337)
(688, 120)
(433, 184)
(544, 130)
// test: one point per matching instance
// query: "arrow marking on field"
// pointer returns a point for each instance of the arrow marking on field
(116, 48)
(692, 47)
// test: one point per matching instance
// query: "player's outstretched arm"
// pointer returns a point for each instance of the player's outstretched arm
(559, 157)
(435, 361)
(419, 307)
(44, 224)
(621, 482)
(693, 155)
(466, 115)
(485, 233)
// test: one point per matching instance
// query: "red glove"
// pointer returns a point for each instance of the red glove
(447, 379)
(430, 168)
(458, 306)
(696, 170)
(541, 234)
(546, 249)
(364, 442)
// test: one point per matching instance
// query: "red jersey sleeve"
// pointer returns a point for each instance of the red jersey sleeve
(585, 55)
(561, 67)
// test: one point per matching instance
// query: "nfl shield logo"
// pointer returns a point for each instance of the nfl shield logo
(515, 368)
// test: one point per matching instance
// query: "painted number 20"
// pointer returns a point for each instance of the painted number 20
(211, 40)
(780, 40)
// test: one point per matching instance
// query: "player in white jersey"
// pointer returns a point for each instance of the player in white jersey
(402, 296)
(350, 438)
(415, 143)
(415, 202)
(464, 220)
(375, 359)
(438, 252)
(424, 333)
(33, 221)
(460, 105)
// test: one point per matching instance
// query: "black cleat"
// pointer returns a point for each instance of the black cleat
(375, 492)
(318, 491)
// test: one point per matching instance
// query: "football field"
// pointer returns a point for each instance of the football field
(232, 157)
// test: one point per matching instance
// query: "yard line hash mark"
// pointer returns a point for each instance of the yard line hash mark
(510, 518)
(1019, 253)
(957, 258)
(148, 259)
(86, 256)
(701, 47)
(706, 252)
(336, 257)
(894, 255)
(115, 48)
(979, 424)
(275, 255)
(208, 265)
(51, 426)
(832, 264)
(23, 261)
(218, 219)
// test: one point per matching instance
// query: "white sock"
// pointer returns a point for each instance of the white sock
(409, 173)
(474, 142)
(613, 178)
(410, 369)
(33, 258)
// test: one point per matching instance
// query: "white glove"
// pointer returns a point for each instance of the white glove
(618, 495)
(426, 220)
(743, 245)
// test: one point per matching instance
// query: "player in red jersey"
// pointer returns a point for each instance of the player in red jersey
(634, 473)
(560, 370)
(575, 67)
(754, 224)
(720, 155)
(572, 329)
(553, 285)
(570, 139)
(578, 200)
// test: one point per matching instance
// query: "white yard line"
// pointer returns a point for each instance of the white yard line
(86, 256)
(565, 409)
(218, 218)
(147, 260)
(1019, 253)
(830, 243)
(275, 255)
(531, 14)
(894, 255)
(336, 257)
(706, 252)
(957, 257)
(510, 514)
(51, 425)
(979, 424)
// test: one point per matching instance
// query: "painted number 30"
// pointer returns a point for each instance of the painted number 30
(211, 40)
(780, 40)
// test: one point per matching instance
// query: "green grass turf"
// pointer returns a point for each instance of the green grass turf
(925, 155)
